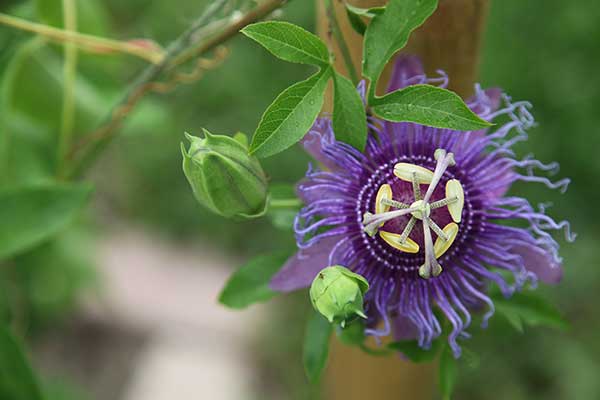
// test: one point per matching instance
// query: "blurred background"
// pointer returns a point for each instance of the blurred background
(123, 304)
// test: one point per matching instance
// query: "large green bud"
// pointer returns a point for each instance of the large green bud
(224, 177)
(337, 293)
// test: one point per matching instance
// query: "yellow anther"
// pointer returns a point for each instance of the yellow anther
(393, 239)
(441, 246)
(455, 190)
(384, 192)
(406, 172)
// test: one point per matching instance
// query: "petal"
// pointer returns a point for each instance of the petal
(408, 70)
(403, 328)
(317, 139)
(299, 270)
(540, 262)
(485, 102)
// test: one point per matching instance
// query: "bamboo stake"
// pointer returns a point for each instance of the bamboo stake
(449, 40)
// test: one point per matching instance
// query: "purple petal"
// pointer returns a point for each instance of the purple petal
(403, 328)
(485, 101)
(319, 137)
(408, 70)
(299, 270)
(540, 262)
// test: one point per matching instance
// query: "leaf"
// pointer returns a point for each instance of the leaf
(415, 353)
(16, 377)
(33, 214)
(51, 277)
(289, 42)
(353, 334)
(290, 116)
(530, 309)
(355, 15)
(349, 119)
(316, 346)
(428, 105)
(32, 92)
(448, 373)
(250, 284)
(388, 32)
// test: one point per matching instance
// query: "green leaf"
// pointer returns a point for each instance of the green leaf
(412, 350)
(250, 284)
(388, 32)
(33, 214)
(50, 278)
(353, 334)
(289, 42)
(32, 94)
(316, 346)
(349, 119)
(530, 309)
(356, 14)
(428, 105)
(17, 381)
(448, 373)
(290, 116)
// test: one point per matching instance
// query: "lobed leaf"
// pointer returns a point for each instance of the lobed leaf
(530, 309)
(412, 350)
(349, 118)
(448, 373)
(356, 15)
(388, 32)
(290, 116)
(289, 42)
(17, 380)
(33, 214)
(250, 284)
(428, 105)
(316, 346)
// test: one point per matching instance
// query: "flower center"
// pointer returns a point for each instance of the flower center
(419, 210)
(423, 209)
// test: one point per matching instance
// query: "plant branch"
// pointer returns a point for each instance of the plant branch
(69, 81)
(90, 43)
(181, 50)
(258, 13)
(339, 38)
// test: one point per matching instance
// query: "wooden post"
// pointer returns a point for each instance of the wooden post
(449, 40)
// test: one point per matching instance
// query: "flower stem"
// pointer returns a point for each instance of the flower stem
(69, 81)
(339, 38)
(285, 203)
(87, 42)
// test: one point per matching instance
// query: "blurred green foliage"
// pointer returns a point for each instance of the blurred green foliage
(545, 51)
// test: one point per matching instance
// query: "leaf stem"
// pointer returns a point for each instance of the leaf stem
(69, 81)
(285, 203)
(83, 154)
(341, 41)
(86, 42)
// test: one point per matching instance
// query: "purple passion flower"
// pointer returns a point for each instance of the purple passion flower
(423, 214)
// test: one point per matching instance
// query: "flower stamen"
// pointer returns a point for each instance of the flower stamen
(420, 209)
(443, 202)
(394, 203)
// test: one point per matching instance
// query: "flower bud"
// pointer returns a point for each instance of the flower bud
(337, 293)
(224, 177)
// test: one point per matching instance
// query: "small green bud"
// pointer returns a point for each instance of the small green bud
(224, 177)
(337, 293)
